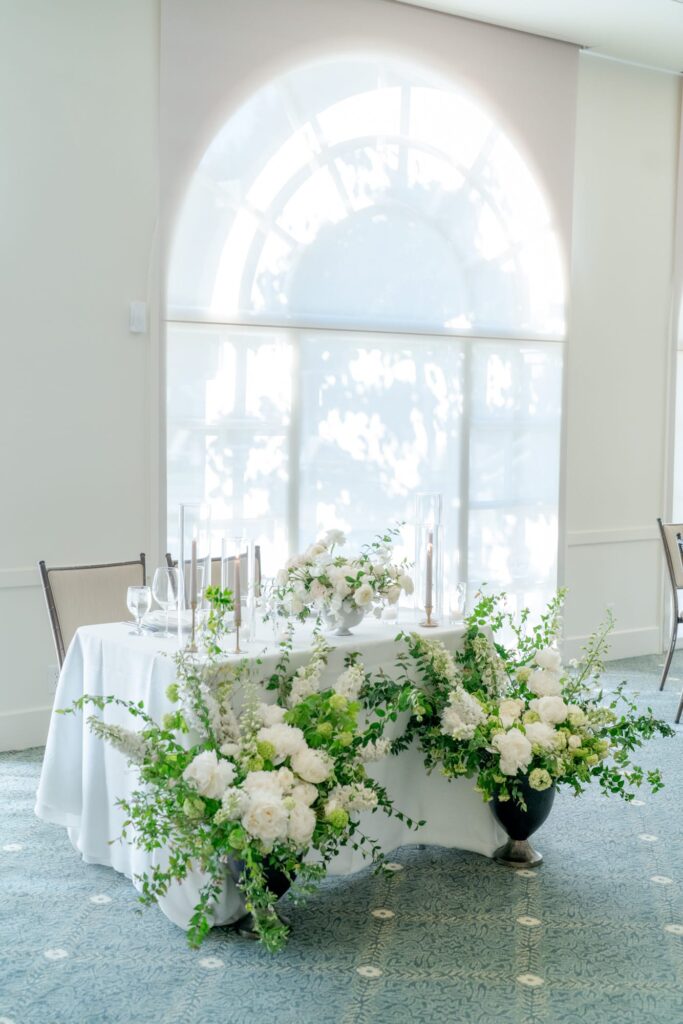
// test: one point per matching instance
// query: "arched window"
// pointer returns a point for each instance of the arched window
(365, 298)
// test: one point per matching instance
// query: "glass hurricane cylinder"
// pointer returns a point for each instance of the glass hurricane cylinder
(195, 525)
(428, 558)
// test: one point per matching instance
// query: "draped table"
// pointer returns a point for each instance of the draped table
(82, 776)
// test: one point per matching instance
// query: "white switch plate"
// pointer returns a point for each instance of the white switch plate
(137, 320)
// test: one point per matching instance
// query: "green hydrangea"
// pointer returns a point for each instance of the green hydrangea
(338, 819)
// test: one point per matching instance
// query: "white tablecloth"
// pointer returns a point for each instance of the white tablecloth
(82, 776)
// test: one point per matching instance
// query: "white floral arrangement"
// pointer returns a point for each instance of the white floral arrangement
(322, 582)
(513, 715)
(254, 790)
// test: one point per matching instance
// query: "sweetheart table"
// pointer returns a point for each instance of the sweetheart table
(82, 776)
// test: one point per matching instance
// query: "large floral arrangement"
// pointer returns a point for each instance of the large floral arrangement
(230, 781)
(323, 581)
(509, 714)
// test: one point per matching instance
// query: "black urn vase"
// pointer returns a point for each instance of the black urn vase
(278, 883)
(520, 824)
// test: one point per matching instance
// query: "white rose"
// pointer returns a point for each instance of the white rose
(315, 550)
(510, 710)
(574, 742)
(304, 793)
(393, 594)
(544, 683)
(364, 595)
(286, 739)
(318, 590)
(266, 817)
(406, 583)
(294, 562)
(271, 714)
(515, 751)
(337, 537)
(311, 765)
(301, 825)
(542, 734)
(209, 776)
(257, 782)
(549, 659)
(285, 779)
(551, 709)
(281, 577)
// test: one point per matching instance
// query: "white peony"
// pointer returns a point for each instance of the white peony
(304, 793)
(364, 595)
(550, 709)
(271, 714)
(544, 683)
(281, 577)
(574, 742)
(515, 751)
(541, 734)
(318, 590)
(350, 682)
(311, 765)
(285, 779)
(209, 775)
(549, 659)
(266, 817)
(406, 584)
(301, 825)
(509, 710)
(393, 594)
(286, 739)
(257, 782)
(314, 550)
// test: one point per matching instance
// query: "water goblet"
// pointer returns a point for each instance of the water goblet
(139, 601)
(166, 589)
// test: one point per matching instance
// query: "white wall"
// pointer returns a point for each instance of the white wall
(619, 355)
(78, 205)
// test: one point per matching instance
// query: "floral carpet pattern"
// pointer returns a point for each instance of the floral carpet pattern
(593, 935)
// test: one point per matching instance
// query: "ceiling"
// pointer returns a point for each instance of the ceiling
(648, 32)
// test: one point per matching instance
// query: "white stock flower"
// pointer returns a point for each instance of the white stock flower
(515, 751)
(549, 658)
(311, 765)
(271, 714)
(230, 749)
(233, 802)
(541, 734)
(374, 751)
(364, 595)
(544, 683)
(355, 797)
(406, 583)
(350, 682)
(462, 716)
(209, 776)
(266, 817)
(551, 709)
(304, 793)
(301, 825)
(510, 710)
(286, 739)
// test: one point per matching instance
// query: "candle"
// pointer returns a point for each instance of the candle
(238, 593)
(193, 575)
(429, 573)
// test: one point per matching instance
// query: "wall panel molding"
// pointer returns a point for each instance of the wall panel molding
(10, 579)
(622, 535)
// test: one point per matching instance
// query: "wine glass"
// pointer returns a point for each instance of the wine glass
(165, 589)
(139, 601)
(457, 603)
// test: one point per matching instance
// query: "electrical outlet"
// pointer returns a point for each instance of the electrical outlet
(52, 678)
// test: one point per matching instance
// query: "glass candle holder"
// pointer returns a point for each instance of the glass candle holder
(195, 529)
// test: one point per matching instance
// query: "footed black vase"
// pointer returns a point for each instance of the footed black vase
(520, 824)
(277, 882)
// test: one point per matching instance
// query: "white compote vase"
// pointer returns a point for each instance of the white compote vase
(342, 621)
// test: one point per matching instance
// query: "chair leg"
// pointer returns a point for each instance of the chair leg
(680, 709)
(672, 648)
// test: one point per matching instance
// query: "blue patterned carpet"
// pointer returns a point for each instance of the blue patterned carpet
(594, 935)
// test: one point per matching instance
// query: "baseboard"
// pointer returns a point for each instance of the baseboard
(626, 643)
(22, 729)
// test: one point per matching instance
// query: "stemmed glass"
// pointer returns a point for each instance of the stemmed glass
(139, 601)
(166, 589)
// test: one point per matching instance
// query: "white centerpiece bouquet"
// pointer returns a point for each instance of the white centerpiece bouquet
(323, 582)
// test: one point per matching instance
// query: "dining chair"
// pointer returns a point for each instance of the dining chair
(672, 539)
(85, 595)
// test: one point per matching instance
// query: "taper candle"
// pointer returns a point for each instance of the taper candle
(238, 592)
(193, 574)
(429, 574)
